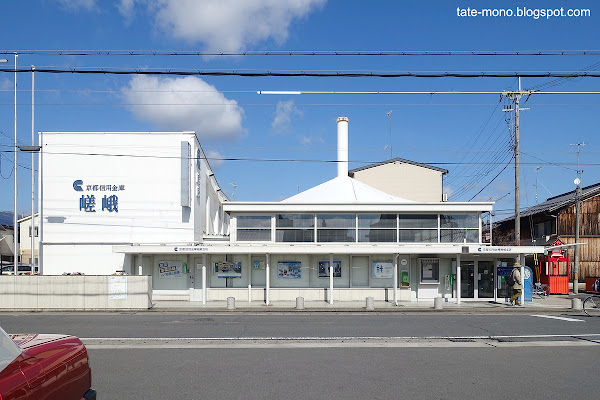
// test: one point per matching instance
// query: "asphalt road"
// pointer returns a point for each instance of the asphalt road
(417, 355)
(193, 325)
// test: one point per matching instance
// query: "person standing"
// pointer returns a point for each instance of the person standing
(517, 286)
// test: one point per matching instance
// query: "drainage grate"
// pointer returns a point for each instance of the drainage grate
(461, 340)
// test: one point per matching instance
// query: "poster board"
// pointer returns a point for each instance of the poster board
(289, 270)
(228, 269)
(324, 269)
(383, 270)
(170, 269)
(117, 287)
(258, 265)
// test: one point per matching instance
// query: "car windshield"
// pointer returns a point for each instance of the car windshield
(8, 350)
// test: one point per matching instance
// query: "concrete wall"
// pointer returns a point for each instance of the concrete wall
(404, 180)
(39, 292)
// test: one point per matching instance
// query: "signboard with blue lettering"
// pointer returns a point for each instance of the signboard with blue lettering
(383, 269)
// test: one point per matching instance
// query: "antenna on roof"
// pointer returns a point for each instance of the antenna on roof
(234, 186)
(389, 114)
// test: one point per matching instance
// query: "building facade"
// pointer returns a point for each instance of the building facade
(554, 220)
(341, 240)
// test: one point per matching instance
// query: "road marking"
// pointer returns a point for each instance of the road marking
(338, 342)
(559, 318)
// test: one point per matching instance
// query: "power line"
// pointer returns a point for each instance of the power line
(336, 53)
(267, 73)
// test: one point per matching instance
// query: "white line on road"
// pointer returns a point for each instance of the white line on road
(559, 318)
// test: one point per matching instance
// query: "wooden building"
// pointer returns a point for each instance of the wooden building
(555, 219)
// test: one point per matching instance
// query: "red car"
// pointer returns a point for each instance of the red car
(44, 367)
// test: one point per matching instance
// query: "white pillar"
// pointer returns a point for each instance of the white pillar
(32, 172)
(268, 280)
(140, 259)
(249, 278)
(331, 279)
(396, 279)
(40, 205)
(457, 278)
(204, 288)
(204, 284)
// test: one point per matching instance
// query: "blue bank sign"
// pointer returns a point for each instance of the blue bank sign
(109, 201)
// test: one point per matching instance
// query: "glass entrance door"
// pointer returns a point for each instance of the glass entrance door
(467, 282)
(485, 273)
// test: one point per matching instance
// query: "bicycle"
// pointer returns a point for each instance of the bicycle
(541, 290)
(591, 305)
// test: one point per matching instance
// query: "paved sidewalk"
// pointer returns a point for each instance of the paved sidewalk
(554, 303)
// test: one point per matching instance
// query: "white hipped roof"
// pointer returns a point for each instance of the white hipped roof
(343, 190)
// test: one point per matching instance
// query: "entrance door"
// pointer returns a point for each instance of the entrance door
(467, 282)
(485, 279)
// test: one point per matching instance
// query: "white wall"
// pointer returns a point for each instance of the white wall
(404, 180)
(146, 168)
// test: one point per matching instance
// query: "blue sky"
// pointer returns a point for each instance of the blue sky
(232, 121)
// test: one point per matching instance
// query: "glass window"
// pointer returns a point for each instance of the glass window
(336, 235)
(254, 221)
(261, 235)
(377, 235)
(459, 221)
(377, 221)
(254, 228)
(418, 221)
(336, 221)
(430, 270)
(459, 235)
(295, 220)
(295, 235)
(419, 235)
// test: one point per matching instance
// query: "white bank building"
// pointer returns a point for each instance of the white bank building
(148, 203)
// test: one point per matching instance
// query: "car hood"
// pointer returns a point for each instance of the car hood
(29, 340)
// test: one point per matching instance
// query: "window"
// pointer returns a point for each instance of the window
(418, 228)
(36, 230)
(254, 228)
(377, 227)
(459, 228)
(336, 227)
(430, 270)
(294, 228)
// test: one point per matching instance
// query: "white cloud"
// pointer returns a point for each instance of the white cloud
(283, 115)
(78, 4)
(215, 159)
(184, 104)
(230, 25)
(306, 140)
(125, 7)
(6, 84)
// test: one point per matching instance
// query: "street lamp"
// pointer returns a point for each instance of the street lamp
(577, 182)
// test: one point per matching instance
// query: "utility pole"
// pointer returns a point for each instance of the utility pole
(515, 96)
(577, 182)
(536, 183)
(16, 167)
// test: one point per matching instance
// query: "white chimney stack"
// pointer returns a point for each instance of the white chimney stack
(342, 146)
